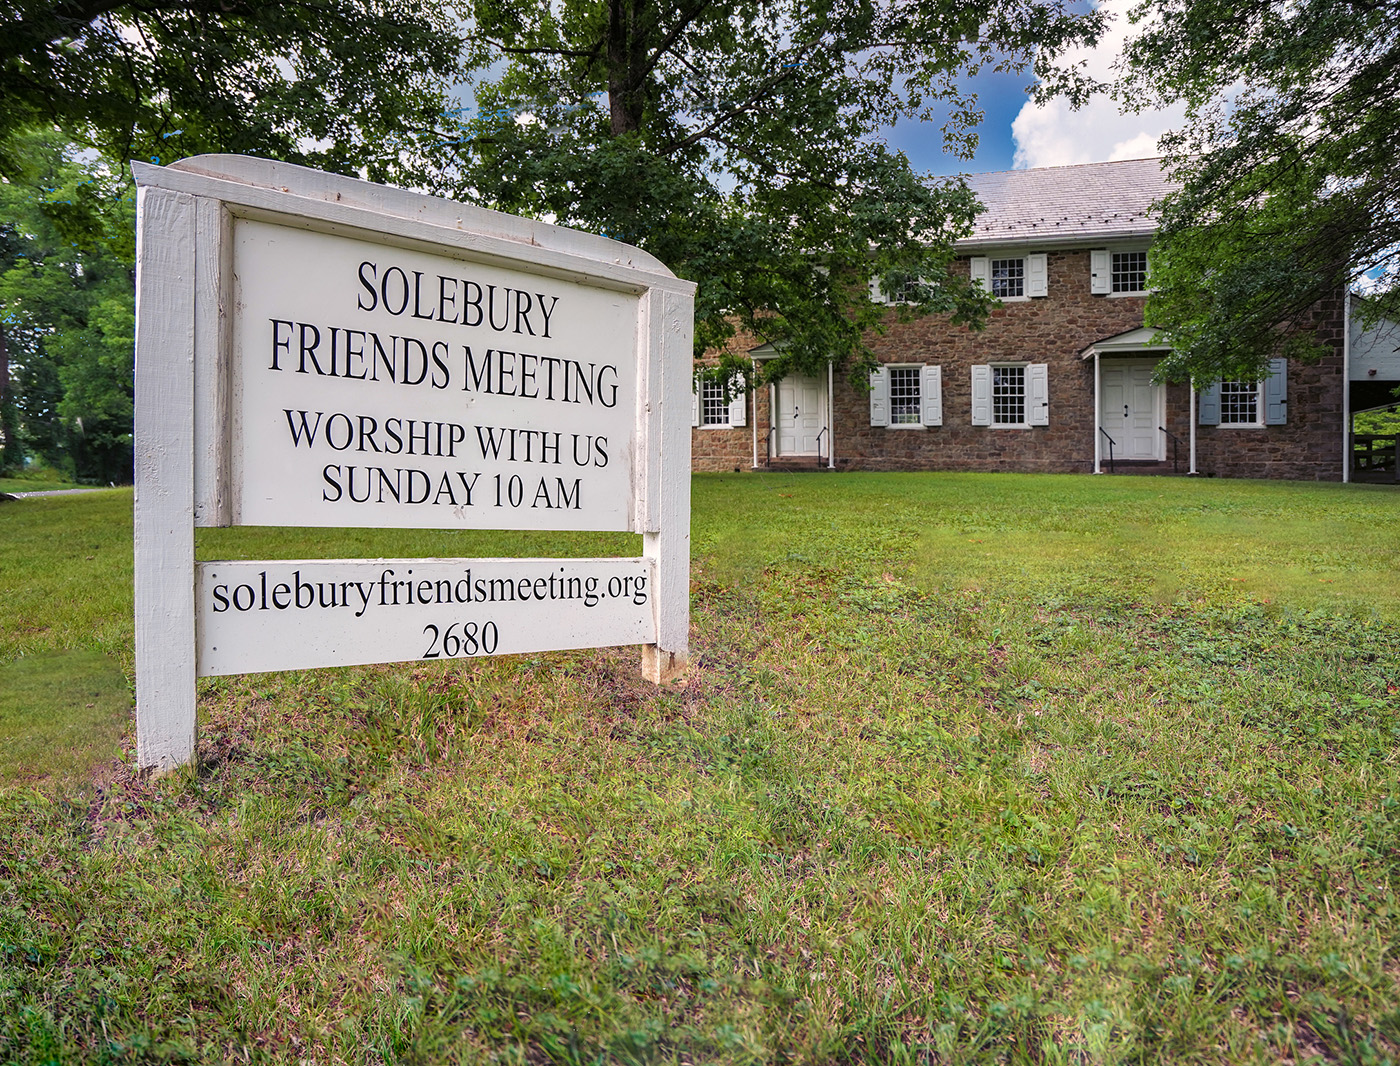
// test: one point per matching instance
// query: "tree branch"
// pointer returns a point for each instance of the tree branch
(687, 15)
(738, 109)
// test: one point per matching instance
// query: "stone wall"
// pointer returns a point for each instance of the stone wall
(1309, 447)
(1053, 330)
(722, 449)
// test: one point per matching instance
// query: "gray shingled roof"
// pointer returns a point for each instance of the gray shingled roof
(1062, 205)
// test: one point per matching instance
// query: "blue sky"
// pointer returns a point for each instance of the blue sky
(1001, 97)
(1017, 133)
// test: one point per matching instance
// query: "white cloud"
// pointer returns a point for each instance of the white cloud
(1055, 135)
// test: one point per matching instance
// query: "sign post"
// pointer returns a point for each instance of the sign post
(314, 350)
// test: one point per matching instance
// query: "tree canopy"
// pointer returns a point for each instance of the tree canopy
(1290, 170)
(315, 81)
(67, 312)
(739, 143)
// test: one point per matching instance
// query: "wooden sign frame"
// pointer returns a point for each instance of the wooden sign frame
(188, 448)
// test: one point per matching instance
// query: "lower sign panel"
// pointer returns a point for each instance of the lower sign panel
(256, 616)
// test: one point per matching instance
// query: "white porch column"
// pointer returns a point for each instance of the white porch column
(830, 418)
(1346, 390)
(1098, 414)
(1191, 384)
(753, 415)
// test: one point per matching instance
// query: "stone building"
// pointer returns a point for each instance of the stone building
(1061, 377)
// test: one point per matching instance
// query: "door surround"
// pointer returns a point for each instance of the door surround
(801, 412)
(1132, 409)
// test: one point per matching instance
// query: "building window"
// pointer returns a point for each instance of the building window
(1008, 277)
(1008, 395)
(714, 408)
(1239, 403)
(910, 291)
(1129, 273)
(908, 396)
(1011, 395)
(905, 397)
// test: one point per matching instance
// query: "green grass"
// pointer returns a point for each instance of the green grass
(61, 713)
(14, 484)
(36, 478)
(1012, 769)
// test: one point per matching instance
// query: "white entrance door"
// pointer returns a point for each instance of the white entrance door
(801, 415)
(1132, 411)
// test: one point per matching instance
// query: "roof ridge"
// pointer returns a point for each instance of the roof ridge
(1060, 166)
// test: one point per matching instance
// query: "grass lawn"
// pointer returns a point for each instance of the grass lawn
(967, 769)
(47, 480)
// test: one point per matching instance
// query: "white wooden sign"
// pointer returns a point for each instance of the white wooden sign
(316, 612)
(379, 386)
(318, 351)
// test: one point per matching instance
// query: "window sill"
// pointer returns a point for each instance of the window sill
(906, 425)
(717, 425)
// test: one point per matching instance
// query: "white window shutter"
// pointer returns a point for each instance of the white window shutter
(1037, 274)
(876, 295)
(1100, 272)
(931, 395)
(980, 266)
(1208, 405)
(739, 405)
(981, 396)
(695, 399)
(1276, 393)
(880, 397)
(1038, 394)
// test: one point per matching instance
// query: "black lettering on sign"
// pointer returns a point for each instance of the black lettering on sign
(459, 301)
(462, 638)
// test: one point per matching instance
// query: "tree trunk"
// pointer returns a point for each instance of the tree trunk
(626, 55)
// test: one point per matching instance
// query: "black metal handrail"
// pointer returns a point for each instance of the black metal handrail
(768, 447)
(819, 445)
(1111, 444)
(1176, 468)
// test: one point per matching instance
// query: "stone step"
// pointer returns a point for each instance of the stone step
(805, 464)
(1146, 468)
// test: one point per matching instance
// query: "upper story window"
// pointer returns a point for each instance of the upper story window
(1012, 277)
(1008, 277)
(1115, 272)
(1129, 272)
(910, 291)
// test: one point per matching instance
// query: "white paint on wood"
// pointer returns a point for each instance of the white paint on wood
(385, 387)
(566, 254)
(209, 451)
(294, 182)
(256, 616)
(801, 415)
(668, 544)
(164, 518)
(1132, 409)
